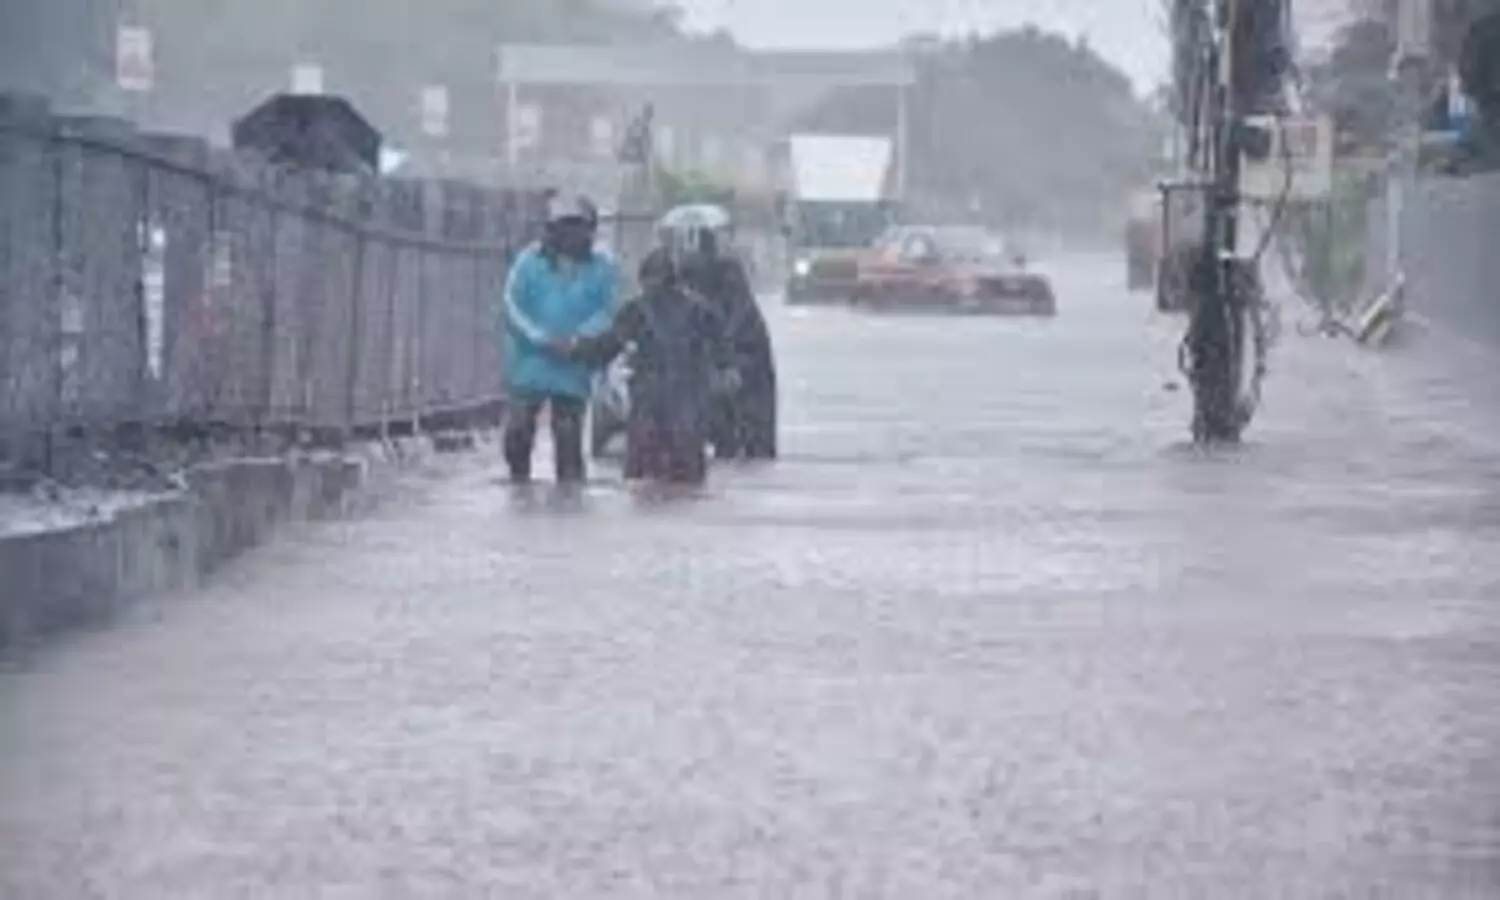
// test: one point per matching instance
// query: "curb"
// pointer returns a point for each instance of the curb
(71, 579)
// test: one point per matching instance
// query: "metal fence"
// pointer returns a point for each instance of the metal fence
(147, 280)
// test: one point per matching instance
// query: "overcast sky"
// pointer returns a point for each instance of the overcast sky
(1127, 32)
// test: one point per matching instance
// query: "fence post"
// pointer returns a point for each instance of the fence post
(356, 335)
(396, 216)
(477, 348)
(145, 257)
(269, 325)
(419, 339)
(60, 344)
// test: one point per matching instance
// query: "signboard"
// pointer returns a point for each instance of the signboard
(528, 124)
(153, 239)
(135, 66)
(602, 136)
(435, 111)
(1301, 147)
(307, 78)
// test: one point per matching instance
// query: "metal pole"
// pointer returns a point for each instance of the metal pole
(512, 121)
(1404, 169)
(903, 139)
(356, 332)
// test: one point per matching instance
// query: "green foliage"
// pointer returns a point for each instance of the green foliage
(678, 188)
(1038, 129)
(1354, 85)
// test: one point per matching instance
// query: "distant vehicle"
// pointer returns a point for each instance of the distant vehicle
(840, 202)
(959, 269)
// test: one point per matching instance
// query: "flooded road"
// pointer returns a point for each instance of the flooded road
(990, 630)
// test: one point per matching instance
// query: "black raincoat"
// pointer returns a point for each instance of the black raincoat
(679, 355)
(744, 420)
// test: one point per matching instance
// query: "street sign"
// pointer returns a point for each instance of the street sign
(435, 111)
(1302, 148)
(135, 67)
(307, 78)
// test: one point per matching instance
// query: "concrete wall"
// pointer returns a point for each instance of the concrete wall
(60, 580)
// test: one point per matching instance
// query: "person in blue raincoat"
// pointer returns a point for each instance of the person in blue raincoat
(558, 290)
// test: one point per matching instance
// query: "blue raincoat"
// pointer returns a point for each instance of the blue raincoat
(541, 304)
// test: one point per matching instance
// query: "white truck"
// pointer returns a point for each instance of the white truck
(840, 201)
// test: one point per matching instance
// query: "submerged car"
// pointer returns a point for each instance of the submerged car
(959, 269)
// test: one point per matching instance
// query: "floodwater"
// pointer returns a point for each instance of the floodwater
(990, 630)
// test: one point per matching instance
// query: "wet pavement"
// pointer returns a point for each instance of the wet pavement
(990, 630)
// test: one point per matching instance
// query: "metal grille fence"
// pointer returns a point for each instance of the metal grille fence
(148, 280)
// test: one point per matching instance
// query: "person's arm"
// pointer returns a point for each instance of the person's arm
(725, 375)
(601, 349)
(516, 317)
(606, 300)
(744, 322)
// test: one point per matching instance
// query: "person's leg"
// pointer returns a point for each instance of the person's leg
(725, 432)
(758, 418)
(567, 439)
(638, 447)
(689, 462)
(520, 436)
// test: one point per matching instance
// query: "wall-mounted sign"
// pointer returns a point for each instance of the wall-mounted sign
(435, 111)
(307, 78)
(135, 64)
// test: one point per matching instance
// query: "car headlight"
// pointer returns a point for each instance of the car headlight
(802, 267)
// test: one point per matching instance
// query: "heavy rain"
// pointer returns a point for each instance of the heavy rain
(973, 449)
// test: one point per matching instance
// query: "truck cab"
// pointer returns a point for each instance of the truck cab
(839, 203)
(826, 241)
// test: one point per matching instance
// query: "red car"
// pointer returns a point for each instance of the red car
(957, 269)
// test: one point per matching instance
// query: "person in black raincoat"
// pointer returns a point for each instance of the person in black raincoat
(744, 420)
(678, 361)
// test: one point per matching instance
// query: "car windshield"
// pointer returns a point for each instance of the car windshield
(961, 243)
(838, 225)
(968, 244)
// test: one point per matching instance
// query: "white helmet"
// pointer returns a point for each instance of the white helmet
(564, 206)
(687, 231)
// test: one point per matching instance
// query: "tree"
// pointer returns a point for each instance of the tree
(1354, 85)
